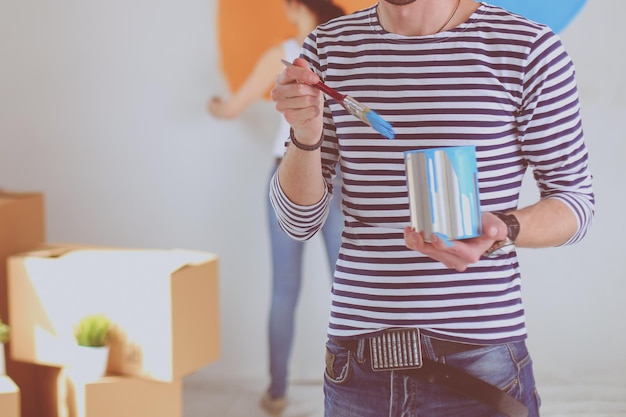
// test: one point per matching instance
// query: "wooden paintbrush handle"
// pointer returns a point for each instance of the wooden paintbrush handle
(321, 86)
(329, 91)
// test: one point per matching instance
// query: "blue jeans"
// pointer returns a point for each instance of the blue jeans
(287, 257)
(351, 388)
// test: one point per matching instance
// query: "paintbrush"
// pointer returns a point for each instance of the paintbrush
(355, 108)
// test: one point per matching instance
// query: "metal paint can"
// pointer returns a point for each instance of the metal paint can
(443, 191)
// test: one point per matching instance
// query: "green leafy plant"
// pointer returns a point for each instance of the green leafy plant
(92, 330)
(5, 332)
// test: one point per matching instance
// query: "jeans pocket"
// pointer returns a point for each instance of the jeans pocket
(510, 387)
(338, 363)
(492, 364)
(537, 397)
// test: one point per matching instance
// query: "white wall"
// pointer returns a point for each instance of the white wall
(574, 295)
(102, 109)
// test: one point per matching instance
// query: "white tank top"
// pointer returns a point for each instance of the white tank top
(291, 50)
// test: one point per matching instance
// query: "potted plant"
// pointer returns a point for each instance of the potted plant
(91, 334)
(5, 333)
(92, 330)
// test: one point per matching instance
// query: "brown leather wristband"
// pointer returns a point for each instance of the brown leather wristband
(512, 224)
(507, 245)
(303, 146)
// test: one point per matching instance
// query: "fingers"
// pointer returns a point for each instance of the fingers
(293, 90)
(299, 72)
(213, 106)
(300, 103)
(454, 255)
(412, 239)
(295, 96)
(417, 241)
(302, 107)
(493, 227)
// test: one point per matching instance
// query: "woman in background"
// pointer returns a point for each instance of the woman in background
(287, 253)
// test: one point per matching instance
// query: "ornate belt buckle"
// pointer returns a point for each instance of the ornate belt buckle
(396, 349)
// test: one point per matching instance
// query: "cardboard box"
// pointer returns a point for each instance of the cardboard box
(65, 395)
(164, 304)
(22, 228)
(9, 397)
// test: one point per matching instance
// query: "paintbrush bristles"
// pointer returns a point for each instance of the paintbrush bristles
(369, 117)
(380, 125)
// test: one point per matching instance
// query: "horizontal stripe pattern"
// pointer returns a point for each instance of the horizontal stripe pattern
(499, 82)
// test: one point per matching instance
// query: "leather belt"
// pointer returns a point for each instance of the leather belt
(456, 379)
(445, 347)
(440, 347)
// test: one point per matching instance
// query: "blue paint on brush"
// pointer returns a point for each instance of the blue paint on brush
(380, 125)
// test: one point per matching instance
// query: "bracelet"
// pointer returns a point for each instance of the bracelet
(305, 147)
(500, 247)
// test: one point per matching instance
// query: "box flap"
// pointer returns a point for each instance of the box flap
(7, 385)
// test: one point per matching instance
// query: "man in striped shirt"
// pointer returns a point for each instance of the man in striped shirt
(443, 73)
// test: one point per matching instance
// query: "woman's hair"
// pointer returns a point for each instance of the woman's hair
(325, 10)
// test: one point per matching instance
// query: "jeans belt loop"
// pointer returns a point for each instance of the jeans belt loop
(360, 350)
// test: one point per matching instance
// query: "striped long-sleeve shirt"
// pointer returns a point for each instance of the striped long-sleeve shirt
(499, 82)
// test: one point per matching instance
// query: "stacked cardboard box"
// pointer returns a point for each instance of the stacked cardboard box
(22, 228)
(9, 397)
(110, 396)
(163, 303)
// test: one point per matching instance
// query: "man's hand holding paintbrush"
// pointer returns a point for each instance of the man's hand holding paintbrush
(302, 105)
(298, 97)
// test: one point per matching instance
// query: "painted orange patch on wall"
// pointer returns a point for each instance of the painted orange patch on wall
(247, 28)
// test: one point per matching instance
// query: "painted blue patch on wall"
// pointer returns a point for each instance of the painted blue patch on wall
(555, 13)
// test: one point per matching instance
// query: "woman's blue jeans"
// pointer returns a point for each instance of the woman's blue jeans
(287, 259)
(352, 388)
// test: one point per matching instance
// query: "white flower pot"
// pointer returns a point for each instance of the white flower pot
(3, 369)
(89, 363)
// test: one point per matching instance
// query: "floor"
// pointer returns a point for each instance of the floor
(594, 397)
(206, 398)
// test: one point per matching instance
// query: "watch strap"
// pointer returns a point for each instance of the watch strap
(512, 224)
(500, 247)
(506, 245)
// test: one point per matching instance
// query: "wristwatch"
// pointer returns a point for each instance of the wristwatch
(507, 245)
